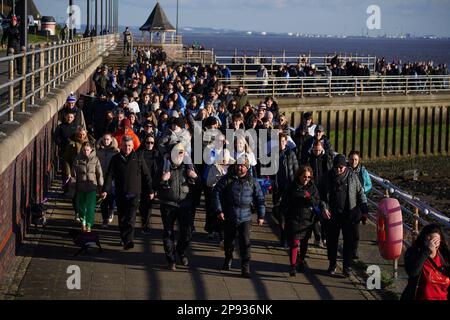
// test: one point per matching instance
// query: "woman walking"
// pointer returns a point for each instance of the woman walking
(107, 147)
(427, 264)
(299, 203)
(88, 175)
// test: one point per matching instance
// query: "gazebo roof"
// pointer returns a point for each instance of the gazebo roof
(157, 21)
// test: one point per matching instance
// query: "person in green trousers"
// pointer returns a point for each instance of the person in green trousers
(88, 175)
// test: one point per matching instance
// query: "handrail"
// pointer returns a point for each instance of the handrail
(341, 86)
(44, 67)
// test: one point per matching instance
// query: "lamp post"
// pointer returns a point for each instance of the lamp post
(177, 15)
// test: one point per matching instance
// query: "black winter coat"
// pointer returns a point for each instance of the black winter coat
(322, 166)
(297, 208)
(286, 169)
(130, 174)
(154, 163)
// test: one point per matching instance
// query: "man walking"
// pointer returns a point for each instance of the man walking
(127, 39)
(176, 194)
(345, 200)
(129, 171)
(233, 197)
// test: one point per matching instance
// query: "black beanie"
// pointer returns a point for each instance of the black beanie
(339, 160)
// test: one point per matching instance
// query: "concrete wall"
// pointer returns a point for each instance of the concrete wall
(26, 161)
(379, 127)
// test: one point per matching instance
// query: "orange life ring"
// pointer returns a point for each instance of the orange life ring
(390, 229)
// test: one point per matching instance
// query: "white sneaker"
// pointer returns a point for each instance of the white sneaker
(111, 218)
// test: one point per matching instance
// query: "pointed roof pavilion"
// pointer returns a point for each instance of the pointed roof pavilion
(157, 21)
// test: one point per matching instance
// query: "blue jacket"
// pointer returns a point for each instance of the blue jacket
(235, 196)
(365, 180)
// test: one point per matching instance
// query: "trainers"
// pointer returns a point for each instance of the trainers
(317, 243)
(324, 243)
(331, 270)
(128, 245)
(293, 271)
(246, 272)
(222, 245)
(210, 236)
(347, 272)
(105, 224)
(111, 217)
(145, 230)
(172, 266)
(184, 261)
(227, 264)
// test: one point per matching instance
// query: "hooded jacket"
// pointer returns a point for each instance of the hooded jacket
(105, 154)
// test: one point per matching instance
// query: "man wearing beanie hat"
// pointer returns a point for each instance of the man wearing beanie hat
(232, 200)
(346, 201)
(70, 107)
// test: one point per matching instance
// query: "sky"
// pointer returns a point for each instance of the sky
(335, 17)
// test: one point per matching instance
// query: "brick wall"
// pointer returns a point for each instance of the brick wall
(27, 177)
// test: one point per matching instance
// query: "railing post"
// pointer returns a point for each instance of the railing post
(356, 87)
(63, 61)
(429, 80)
(302, 94)
(24, 80)
(406, 87)
(382, 85)
(49, 68)
(273, 87)
(271, 70)
(55, 75)
(245, 65)
(33, 68)
(42, 72)
(329, 87)
(11, 86)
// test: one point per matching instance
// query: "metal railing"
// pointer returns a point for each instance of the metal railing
(342, 86)
(33, 73)
(248, 65)
(416, 213)
(146, 42)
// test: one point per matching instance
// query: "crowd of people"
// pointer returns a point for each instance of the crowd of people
(132, 142)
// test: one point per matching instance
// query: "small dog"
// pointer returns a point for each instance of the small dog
(38, 214)
(85, 240)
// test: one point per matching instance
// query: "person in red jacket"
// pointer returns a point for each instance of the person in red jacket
(427, 264)
(125, 130)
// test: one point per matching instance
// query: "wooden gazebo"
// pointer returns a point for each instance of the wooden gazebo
(159, 27)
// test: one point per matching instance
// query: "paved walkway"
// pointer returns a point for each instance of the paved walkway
(142, 273)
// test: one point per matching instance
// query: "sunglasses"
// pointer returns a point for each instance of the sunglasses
(149, 142)
(307, 177)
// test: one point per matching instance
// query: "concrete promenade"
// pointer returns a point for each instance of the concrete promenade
(141, 273)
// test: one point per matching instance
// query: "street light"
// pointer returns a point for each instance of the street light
(177, 16)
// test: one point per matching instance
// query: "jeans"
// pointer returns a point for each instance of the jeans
(170, 214)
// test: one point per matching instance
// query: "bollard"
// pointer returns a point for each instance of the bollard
(24, 80)
(11, 86)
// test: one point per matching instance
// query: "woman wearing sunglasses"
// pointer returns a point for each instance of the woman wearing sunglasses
(298, 206)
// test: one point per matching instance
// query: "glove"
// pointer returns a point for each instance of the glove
(364, 218)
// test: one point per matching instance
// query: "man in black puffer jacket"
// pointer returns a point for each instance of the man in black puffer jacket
(233, 197)
(176, 194)
(129, 172)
